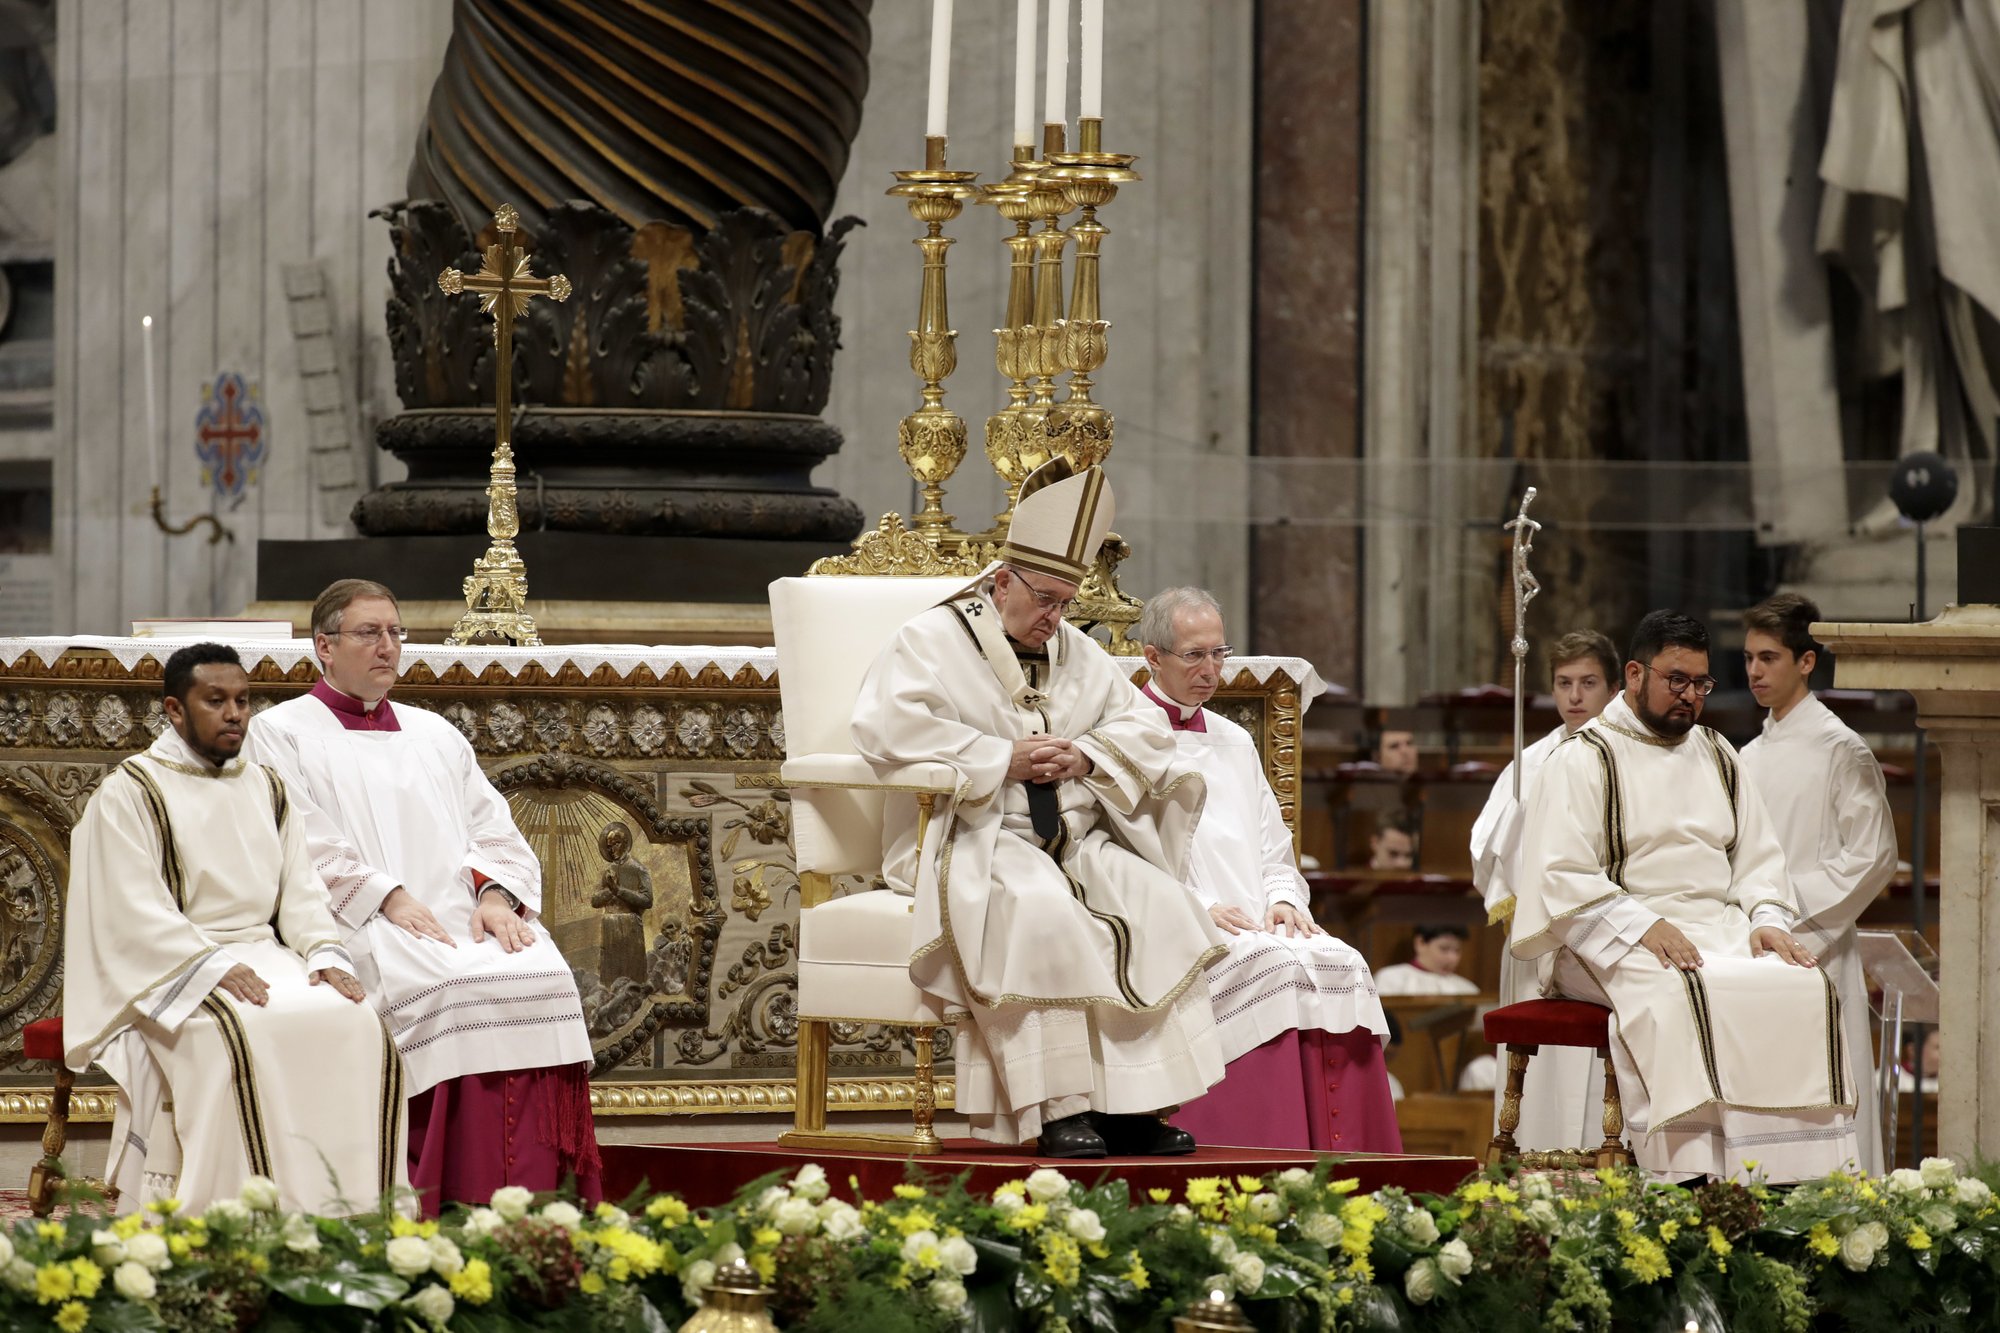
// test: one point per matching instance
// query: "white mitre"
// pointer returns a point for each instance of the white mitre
(1060, 521)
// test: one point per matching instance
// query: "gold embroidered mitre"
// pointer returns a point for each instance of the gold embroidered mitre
(1060, 520)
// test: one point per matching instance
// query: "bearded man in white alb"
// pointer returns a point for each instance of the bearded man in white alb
(1830, 808)
(1049, 910)
(1300, 1022)
(1564, 1100)
(202, 970)
(437, 894)
(1652, 881)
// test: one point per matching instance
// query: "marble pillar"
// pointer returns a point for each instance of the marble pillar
(1951, 667)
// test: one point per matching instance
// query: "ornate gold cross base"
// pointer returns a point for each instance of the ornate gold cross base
(496, 593)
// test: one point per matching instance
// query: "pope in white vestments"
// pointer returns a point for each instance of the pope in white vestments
(1049, 909)
(1562, 1105)
(1830, 808)
(204, 973)
(1299, 1019)
(1652, 881)
(438, 895)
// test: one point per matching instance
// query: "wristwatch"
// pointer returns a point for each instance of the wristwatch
(513, 903)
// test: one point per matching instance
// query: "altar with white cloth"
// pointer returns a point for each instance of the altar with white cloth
(691, 1014)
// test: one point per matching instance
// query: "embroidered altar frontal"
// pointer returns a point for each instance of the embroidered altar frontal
(637, 773)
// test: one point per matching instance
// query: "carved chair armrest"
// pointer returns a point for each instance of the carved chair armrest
(852, 771)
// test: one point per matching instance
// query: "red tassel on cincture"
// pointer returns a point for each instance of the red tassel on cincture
(567, 1125)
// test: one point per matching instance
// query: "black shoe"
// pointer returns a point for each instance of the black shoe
(1144, 1136)
(1071, 1136)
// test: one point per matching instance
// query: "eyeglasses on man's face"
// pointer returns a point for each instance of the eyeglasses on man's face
(1194, 657)
(1045, 602)
(1678, 683)
(371, 634)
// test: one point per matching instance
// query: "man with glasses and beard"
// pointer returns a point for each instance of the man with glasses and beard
(1049, 908)
(438, 895)
(1651, 881)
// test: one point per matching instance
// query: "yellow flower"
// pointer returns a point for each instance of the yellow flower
(54, 1282)
(667, 1209)
(1505, 1194)
(1626, 1217)
(1204, 1189)
(128, 1226)
(403, 1226)
(1919, 1238)
(768, 1237)
(1342, 1186)
(909, 1191)
(765, 1264)
(591, 1284)
(1136, 1274)
(640, 1255)
(1614, 1183)
(1025, 1218)
(1159, 1196)
(178, 1246)
(1645, 1259)
(1720, 1243)
(1345, 1295)
(164, 1206)
(1062, 1258)
(89, 1277)
(51, 1230)
(1867, 1191)
(1668, 1230)
(1821, 1242)
(703, 1223)
(1479, 1191)
(920, 1219)
(473, 1283)
(618, 1270)
(72, 1317)
(1249, 1184)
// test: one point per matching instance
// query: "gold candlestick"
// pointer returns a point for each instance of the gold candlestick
(496, 591)
(1089, 179)
(1015, 444)
(932, 438)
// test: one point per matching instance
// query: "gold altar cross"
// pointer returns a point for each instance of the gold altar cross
(496, 592)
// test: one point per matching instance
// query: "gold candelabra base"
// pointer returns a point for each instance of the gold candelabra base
(496, 598)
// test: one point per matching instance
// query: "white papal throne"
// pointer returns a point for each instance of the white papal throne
(854, 951)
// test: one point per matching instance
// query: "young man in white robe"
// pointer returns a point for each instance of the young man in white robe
(1300, 1023)
(437, 895)
(1435, 951)
(1049, 911)
(203, 972)
(1830, 808)
(1651, 881)
(1564, 1102)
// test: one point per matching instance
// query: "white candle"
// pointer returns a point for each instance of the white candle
(152, 406)
(940, 68)
(1091, 106)
(1055, 92)
(1024, 72)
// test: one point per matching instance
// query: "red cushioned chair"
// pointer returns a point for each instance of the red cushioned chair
(43, 1040)
(1527, 1027)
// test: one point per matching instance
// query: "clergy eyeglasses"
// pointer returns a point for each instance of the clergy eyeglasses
(1195, 656)
(1043, 602)
(1679, 683)
(372, 633)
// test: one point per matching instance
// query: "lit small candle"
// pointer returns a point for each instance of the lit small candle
(152, 407)
(1091, 106)
(1024, 72)
(1055, 92)
(940, 68)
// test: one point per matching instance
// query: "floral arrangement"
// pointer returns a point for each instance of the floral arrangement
(1297, 1249)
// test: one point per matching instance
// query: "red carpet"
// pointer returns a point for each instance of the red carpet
(706, 1174)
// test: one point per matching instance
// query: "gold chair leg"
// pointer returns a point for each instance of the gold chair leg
(1503, 1147)
(809, 1109)
(55, 1135)
(1612, 1152)
(924, 1136)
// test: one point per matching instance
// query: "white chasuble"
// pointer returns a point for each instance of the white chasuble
(1830, 808)
(411, 808)
(1563, 1104)
(1078, 961)
(1242, 857)
(179, 872)
(1742, 1059)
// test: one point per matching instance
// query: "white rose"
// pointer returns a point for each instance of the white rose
(7, 1248)
(959, 1256)
(483, 1221)
(1421, 1283)
(148, 1249)
(1084, 1225)
(565, 1215)
(611, 1215)
(259, 1194)
(299, 1234)
(1295, 1178)
(1905, 1181)
(948, 1294)
(433, 1303)
(843, 1224)
(408, 1255)
(1266, 1207)
(1322, 1229)
(1939, 1219)
(511, 1202)
(796, 1217)
(1180, 1212)
(1420, 1226)
(915, 1243)
(1222, 1245)
(1455, 1259)
(1542, 1216)
(227, 1212)
(695, 1279)
(1009, 1202)
(445, 1258)
(20, 1274)
(107, 1249)
(728, 1254)
(133, 1282)
(810, 1182)
(1221, 1282)
(1974, 1193)
(1047, 1185)
(1858, 1249)
(767, 1202)
(1248, 1270)
(1939, 1173)
(1534, 1187)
